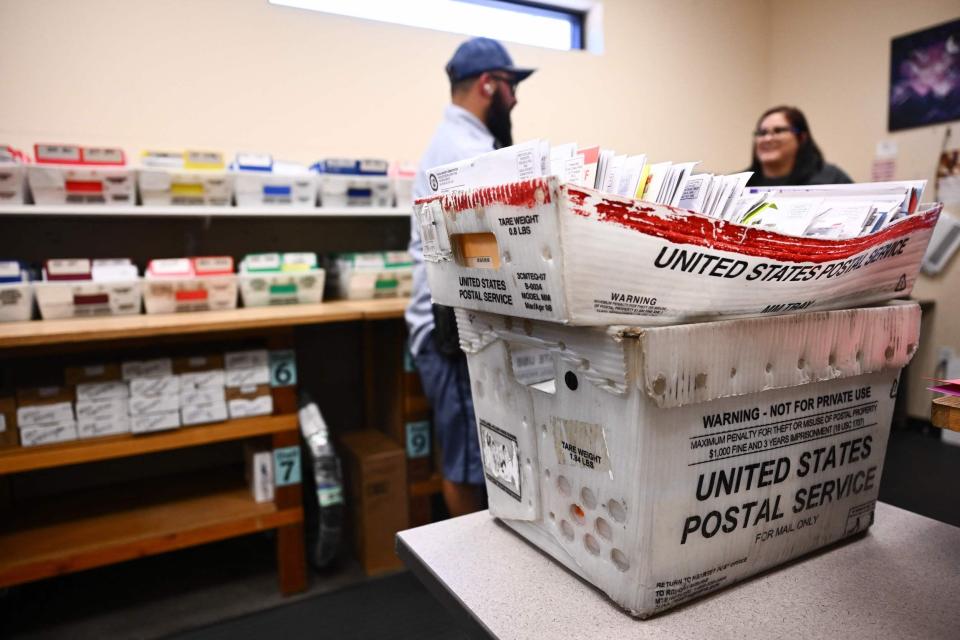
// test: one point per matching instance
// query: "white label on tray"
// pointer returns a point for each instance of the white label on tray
(213, 265)
(501, 458)
(580, 444)
(58, 152)
(147, 368)
(170, 267)
(78, 266)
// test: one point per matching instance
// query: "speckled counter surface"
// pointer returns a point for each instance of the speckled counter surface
(900, 580)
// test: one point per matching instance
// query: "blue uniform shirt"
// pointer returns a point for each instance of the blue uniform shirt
(461, 135)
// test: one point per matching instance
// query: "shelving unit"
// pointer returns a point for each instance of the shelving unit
(87, 529)
(133, 211)
(79, 451)
(71, 330)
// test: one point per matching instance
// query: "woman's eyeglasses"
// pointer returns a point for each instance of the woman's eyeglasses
(774, 131)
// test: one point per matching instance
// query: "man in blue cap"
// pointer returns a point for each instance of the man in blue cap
(483, 91)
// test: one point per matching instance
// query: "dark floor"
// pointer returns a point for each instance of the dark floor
(920, 474)
(229, 589)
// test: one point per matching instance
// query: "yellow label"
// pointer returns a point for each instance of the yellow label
(186, 188)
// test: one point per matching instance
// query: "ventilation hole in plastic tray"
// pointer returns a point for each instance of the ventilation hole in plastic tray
(617, 510)
(588, 498)
(591, 544)
(603, 529)
(620, 560)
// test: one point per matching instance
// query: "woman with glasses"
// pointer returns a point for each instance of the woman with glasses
(784, 152)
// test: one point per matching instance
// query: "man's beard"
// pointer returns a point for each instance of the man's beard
(498, 121)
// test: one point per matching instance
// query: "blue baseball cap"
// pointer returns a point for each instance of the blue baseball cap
(477, 55)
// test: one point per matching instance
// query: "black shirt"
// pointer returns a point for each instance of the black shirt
(828, 174)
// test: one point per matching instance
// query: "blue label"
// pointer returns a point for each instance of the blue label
(286, 466)
(283, 368)
(418, 439)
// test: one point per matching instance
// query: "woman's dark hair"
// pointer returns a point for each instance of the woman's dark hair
(809, 158)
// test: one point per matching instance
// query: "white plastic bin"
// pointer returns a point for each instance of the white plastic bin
(664, 463)
(86, 298)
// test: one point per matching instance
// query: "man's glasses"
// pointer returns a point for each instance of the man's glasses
(510, 80)
(774, 131)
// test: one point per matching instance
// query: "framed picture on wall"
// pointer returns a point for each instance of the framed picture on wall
(925, 77)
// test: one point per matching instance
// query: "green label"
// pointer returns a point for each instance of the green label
(286, 466)
(283, 368)
(418, 439)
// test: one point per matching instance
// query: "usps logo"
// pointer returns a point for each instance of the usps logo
(434, 185)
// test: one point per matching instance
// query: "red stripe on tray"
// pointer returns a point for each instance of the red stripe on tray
(684, 227)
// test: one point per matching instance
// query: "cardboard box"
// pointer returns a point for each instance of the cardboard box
(150, 422)
(664, 463)
(545, 250)
(30, 396)
(97, 427)
(48, 434)
(141, 405)
(45, 414)
(202, 380)
(203, 413)
(202, 396)
(377, 481)
(250, 359)
(92, 373)
(103, 408)
(146, 368)
(155, 386)
(247, 377)
(259, 473)
(8, 423)
(193, 364)
(88, 391)
(250, 400)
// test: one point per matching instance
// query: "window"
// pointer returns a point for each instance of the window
(562, 24)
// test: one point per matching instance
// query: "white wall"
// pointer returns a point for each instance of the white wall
(679, 79)
(832, 59)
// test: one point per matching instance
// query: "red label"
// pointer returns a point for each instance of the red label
(84, 186)
(93, 298)
(192, 294)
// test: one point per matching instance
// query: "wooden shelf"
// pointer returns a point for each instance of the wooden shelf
(77, 330)
(427, 487)
(56, 455)
(141, 211)
(945, 413)
(100, 527)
